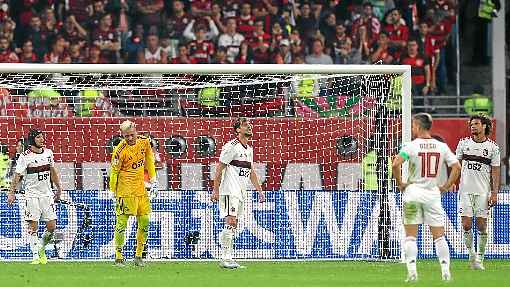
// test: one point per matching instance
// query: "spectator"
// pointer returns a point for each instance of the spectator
(72, 31)
(246, 21)
(200, 49)
(245, 55)
(38, 36)
(231, 40)
(95, 12)
(177, 21)
(420, 73)
(6, 54)
(27, 54)
(428, 46)
(261, 53)
(153, 53)
(200, 8)
(339, 37)
(107, 38)
(95, 55)
(183, 57)
(382, 51)
(306, 22)
(283, 54)
(75, 53)
(149, 12)
(208, 35)
(317, 56)
(220, 56)
(230, 9)
(397, 31)
(277, 34)
(348, 55)
(75, 7)
(259, 35)
(328, 26)
(217, 17)
(56, 53)
(296, 44)
(371, 24)
(134, 45)
(361, 42)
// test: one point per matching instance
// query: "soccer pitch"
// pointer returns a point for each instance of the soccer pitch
(274, 273)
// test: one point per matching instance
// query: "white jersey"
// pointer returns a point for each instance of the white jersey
(478, 158)
(152, 58)
(236, 176)
(427, 158)
(35, 169)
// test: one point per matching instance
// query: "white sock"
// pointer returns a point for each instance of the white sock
(411, 251)
(46, 238)
(227, 242)
(34, 244)
(443, 253)
(482, 243)
(468, 240)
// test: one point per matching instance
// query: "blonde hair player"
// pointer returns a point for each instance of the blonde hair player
(129, 160)
(422, 194)
(233, 171)
(37, 167)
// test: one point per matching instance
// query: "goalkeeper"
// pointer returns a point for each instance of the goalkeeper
(129, 160)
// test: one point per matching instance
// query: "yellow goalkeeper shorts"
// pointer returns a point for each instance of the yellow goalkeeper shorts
(138, 205)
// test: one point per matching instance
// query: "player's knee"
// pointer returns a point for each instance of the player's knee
(121, 223)
(51, 226)
(482, 227)
(143, 222)
(231, 221)
(467, 223)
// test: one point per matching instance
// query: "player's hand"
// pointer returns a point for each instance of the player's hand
(56, 197)
(403, 186)
(153, 190)
(493, 199)
(214, 196)
(443, 189)
(11, 198)
(262, 197)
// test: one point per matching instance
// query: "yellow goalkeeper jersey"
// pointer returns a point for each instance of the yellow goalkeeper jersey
(128, 165)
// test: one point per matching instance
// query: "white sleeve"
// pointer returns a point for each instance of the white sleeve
(496, 157)
(227, 153)
(449, 157)
(458, 152)
(21, 165)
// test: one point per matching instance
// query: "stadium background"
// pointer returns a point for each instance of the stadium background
(118, 32)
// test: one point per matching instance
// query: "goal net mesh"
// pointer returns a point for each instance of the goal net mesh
(322, 148)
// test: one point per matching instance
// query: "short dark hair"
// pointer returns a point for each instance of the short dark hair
(239, 121)
(485, 121)
(424, 120)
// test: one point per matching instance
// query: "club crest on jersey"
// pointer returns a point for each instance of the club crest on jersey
(233, 209)
(485, 152)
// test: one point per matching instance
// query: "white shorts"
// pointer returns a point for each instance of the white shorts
(473, 205)
(42, 208)
(423, 206)
(230, 206)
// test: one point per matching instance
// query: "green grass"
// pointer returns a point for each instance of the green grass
(265, 274)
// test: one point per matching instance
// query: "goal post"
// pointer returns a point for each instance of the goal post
(323, 139)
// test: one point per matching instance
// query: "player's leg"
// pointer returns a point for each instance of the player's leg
(228, 210)
(434, 216)
(466, 213)
(142, 233)
(32, 214)
(481, 213)
(412, 218)
(50, 216)
(122, 215)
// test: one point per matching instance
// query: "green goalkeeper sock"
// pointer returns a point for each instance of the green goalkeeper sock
(119, 235)
(141, 234)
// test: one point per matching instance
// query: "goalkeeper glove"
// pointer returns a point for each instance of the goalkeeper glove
(153, 190)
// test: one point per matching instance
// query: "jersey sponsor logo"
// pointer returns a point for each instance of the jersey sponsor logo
(37, 169)
(476, 158)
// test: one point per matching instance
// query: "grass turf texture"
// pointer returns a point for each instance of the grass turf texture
(265, 274)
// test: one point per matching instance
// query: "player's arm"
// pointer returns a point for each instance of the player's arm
(396, 167)
(11, 196)
(255, 181)
(495, 177)
(217, 181)
(55, 178)
(150, 162)
(114, 170)
(453, 163)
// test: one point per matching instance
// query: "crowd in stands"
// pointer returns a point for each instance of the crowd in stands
(415, 32)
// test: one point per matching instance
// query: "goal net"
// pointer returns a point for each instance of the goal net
(323, 141)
